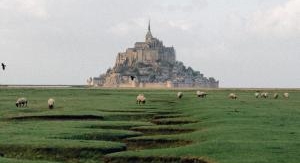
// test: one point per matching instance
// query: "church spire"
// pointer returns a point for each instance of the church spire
(149, 35)
(149, 26)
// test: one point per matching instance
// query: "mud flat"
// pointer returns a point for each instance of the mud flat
(152, 159)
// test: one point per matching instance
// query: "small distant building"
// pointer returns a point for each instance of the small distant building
(94, 81)
(151, 64)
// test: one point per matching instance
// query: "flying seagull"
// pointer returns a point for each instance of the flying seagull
(132, 77)
(3, 66)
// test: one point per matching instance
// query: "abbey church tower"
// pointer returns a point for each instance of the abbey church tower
(150, 51)
(149, 36)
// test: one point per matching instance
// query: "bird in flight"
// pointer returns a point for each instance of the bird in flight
(3, 66)
(132, 77)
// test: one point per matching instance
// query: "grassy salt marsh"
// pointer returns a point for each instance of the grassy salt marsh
(106, 125)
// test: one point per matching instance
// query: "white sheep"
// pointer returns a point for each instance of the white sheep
(201, 94)
(179, 95)
(51, 103)
(21, 102)
(141, 99)
(275, 96)
(264, 95)
(286, 95)
(232, 96)
(256, 94)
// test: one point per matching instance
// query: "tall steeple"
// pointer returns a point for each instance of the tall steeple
(149, 35)
(149, 26)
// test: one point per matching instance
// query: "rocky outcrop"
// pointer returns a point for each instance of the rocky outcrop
(151, 64)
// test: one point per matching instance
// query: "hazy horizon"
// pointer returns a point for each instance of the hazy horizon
(245, 44)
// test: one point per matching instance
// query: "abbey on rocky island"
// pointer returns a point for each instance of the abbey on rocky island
(150, 64)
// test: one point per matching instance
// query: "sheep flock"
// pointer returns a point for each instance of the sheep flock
(22, 102)
(141, 99)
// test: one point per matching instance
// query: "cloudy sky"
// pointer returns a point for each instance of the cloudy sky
(241, 43)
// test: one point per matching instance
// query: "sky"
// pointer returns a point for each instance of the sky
(240, 43)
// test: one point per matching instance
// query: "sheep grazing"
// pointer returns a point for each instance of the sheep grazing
(51, 103)
(256, 94)
(286, 95)
(21, 102)
(201, 94)
(179, 95)
(141, 99)
(275, 96)
(264, 95)
(232, 96)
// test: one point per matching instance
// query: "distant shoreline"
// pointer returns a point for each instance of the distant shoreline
(85, 86)
(40, 86)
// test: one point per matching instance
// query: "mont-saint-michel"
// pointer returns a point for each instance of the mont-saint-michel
(151, 64)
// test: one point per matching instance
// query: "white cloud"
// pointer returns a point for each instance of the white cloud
(125, 27)
(181, 24)
(120, 29)
(182, 6)
(282, 20)
(35, 8)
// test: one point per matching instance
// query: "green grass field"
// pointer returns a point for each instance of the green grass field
(106, 125)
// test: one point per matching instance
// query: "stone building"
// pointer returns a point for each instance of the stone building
(151, 64)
